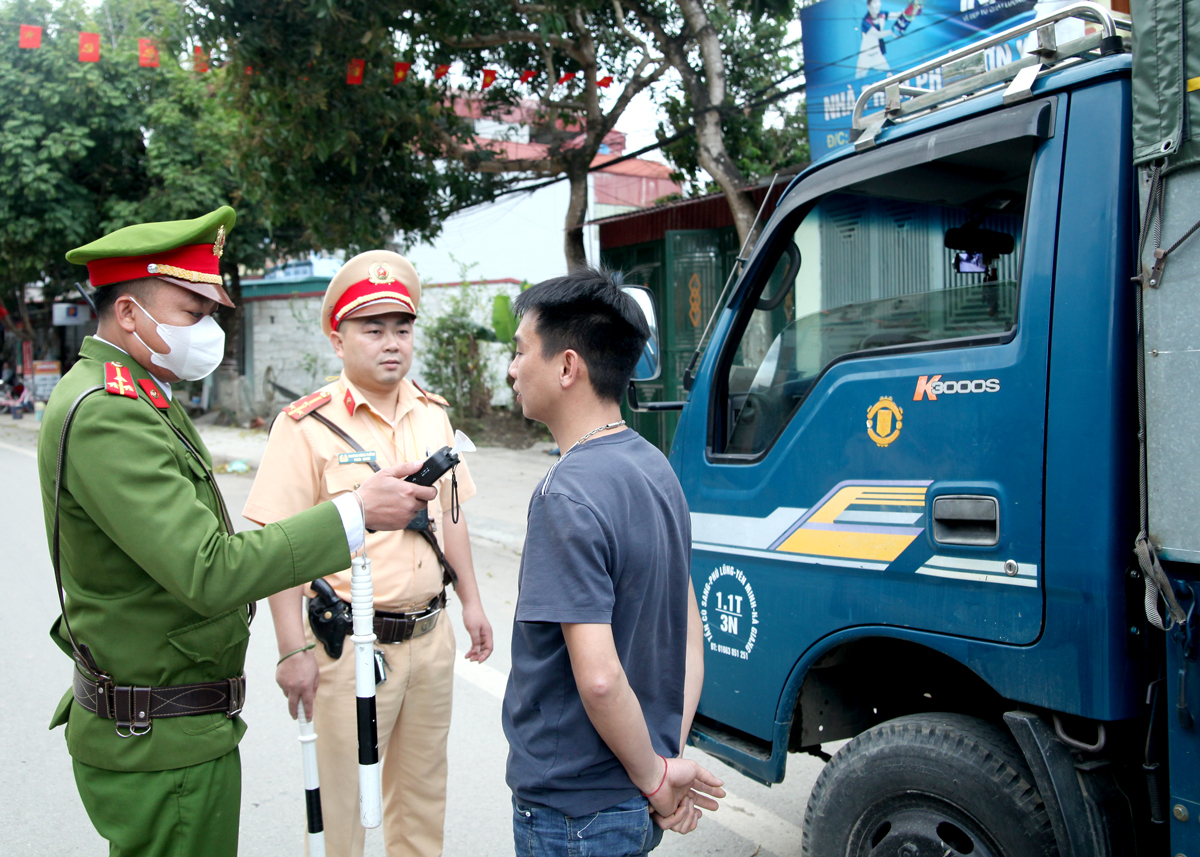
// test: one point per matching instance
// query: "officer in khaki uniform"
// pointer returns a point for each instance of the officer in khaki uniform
(368, 314)
(156, 583)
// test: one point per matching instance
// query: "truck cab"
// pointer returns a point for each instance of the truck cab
(910, 454)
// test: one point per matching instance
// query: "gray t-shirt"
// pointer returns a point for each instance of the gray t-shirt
(609, 542)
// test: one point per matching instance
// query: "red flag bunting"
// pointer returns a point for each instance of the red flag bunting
(604, 82)
(566, 78)
(489, 77)
(401, 72)
(31, 37)
(354, 71)
(199, 60)
(147, 53)
(440, 72)
(527, 76)
(89, 47)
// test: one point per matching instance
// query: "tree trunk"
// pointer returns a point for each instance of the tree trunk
(715, 161)
(577, 173)
(707, 91)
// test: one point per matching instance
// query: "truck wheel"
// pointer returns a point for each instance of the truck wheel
(928, 784)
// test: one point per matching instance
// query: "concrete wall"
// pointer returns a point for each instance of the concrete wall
(286, 344)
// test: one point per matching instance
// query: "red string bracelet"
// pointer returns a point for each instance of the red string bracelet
(660, 782)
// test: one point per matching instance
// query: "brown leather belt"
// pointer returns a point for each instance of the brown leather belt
(133, 708)
(399, 627)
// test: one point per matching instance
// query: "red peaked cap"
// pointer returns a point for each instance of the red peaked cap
(372, 283)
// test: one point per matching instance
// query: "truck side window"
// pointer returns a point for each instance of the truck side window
(909, 261)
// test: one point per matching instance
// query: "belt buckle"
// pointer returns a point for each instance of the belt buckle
(237, 696)
(425, 624)
(106, 703)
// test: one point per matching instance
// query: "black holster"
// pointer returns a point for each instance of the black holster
(329, 617)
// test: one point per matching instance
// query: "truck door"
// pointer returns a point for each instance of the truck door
(876, 408)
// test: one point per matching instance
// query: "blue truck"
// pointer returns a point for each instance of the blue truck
(917, 470)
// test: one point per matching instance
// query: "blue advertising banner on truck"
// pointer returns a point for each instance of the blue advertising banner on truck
(850, 44)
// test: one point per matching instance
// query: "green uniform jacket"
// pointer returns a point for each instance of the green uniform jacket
(154, 584)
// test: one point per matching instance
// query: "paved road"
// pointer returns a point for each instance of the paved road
(40, 811)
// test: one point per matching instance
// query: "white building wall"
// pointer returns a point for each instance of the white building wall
(519, 235)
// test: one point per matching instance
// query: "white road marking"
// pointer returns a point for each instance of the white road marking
(746, 819)
(19, 450)
(488, 679)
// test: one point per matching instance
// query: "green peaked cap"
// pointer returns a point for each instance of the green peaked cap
(143, 239)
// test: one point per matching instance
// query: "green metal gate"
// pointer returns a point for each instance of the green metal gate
(685, 271)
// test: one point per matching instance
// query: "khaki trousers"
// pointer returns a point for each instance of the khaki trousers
(413, 713)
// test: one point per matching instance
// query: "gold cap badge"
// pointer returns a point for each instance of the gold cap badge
(219, 244)
(380, 273)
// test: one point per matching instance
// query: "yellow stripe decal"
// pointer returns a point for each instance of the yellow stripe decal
(874, 546)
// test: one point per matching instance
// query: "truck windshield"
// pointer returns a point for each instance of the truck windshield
(909, 261)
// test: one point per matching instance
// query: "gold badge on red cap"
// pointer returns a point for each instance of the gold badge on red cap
(380, 273)
(219, 243)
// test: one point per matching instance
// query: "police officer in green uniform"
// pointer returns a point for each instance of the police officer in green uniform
(156, 584)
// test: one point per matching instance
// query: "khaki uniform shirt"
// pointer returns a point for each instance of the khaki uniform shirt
(301, 468)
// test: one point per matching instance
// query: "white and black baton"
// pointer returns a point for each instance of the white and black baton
(312, 786)
(362, 604)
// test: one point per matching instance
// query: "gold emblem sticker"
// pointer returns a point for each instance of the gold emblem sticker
(883, 421)
(380, 273)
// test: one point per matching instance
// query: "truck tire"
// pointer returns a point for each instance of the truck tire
(928, 784)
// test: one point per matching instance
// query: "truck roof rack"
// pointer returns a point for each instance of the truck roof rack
(967, 70)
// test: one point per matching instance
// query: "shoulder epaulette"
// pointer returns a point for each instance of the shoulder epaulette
(301, 408)
(118, 381)
(433, 397)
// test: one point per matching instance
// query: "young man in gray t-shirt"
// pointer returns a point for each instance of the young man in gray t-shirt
(607, 652)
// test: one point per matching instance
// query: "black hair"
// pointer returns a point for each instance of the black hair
(105, 296)
(588, 312)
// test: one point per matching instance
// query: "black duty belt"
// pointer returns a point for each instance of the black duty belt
(399, 627)
(133, 708)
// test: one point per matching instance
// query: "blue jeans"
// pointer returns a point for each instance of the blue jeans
(624, 830)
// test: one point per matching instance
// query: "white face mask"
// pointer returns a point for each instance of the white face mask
(196, 349)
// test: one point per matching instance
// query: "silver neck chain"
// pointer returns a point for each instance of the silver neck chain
(597, 430)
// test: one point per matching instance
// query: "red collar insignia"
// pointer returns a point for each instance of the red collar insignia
(350, 403)
(159, 400)
(118, 381)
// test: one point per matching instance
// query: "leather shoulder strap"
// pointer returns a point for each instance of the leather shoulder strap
(83, 656)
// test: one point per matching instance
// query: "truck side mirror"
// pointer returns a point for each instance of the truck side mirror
(649, 366)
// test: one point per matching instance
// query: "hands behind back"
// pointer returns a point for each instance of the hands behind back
(389, 502)
(686, 790)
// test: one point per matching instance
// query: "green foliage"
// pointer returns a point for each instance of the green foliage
(765, 137)
(87, 148)
(504, 321)
(336, 166)
(453, 362)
